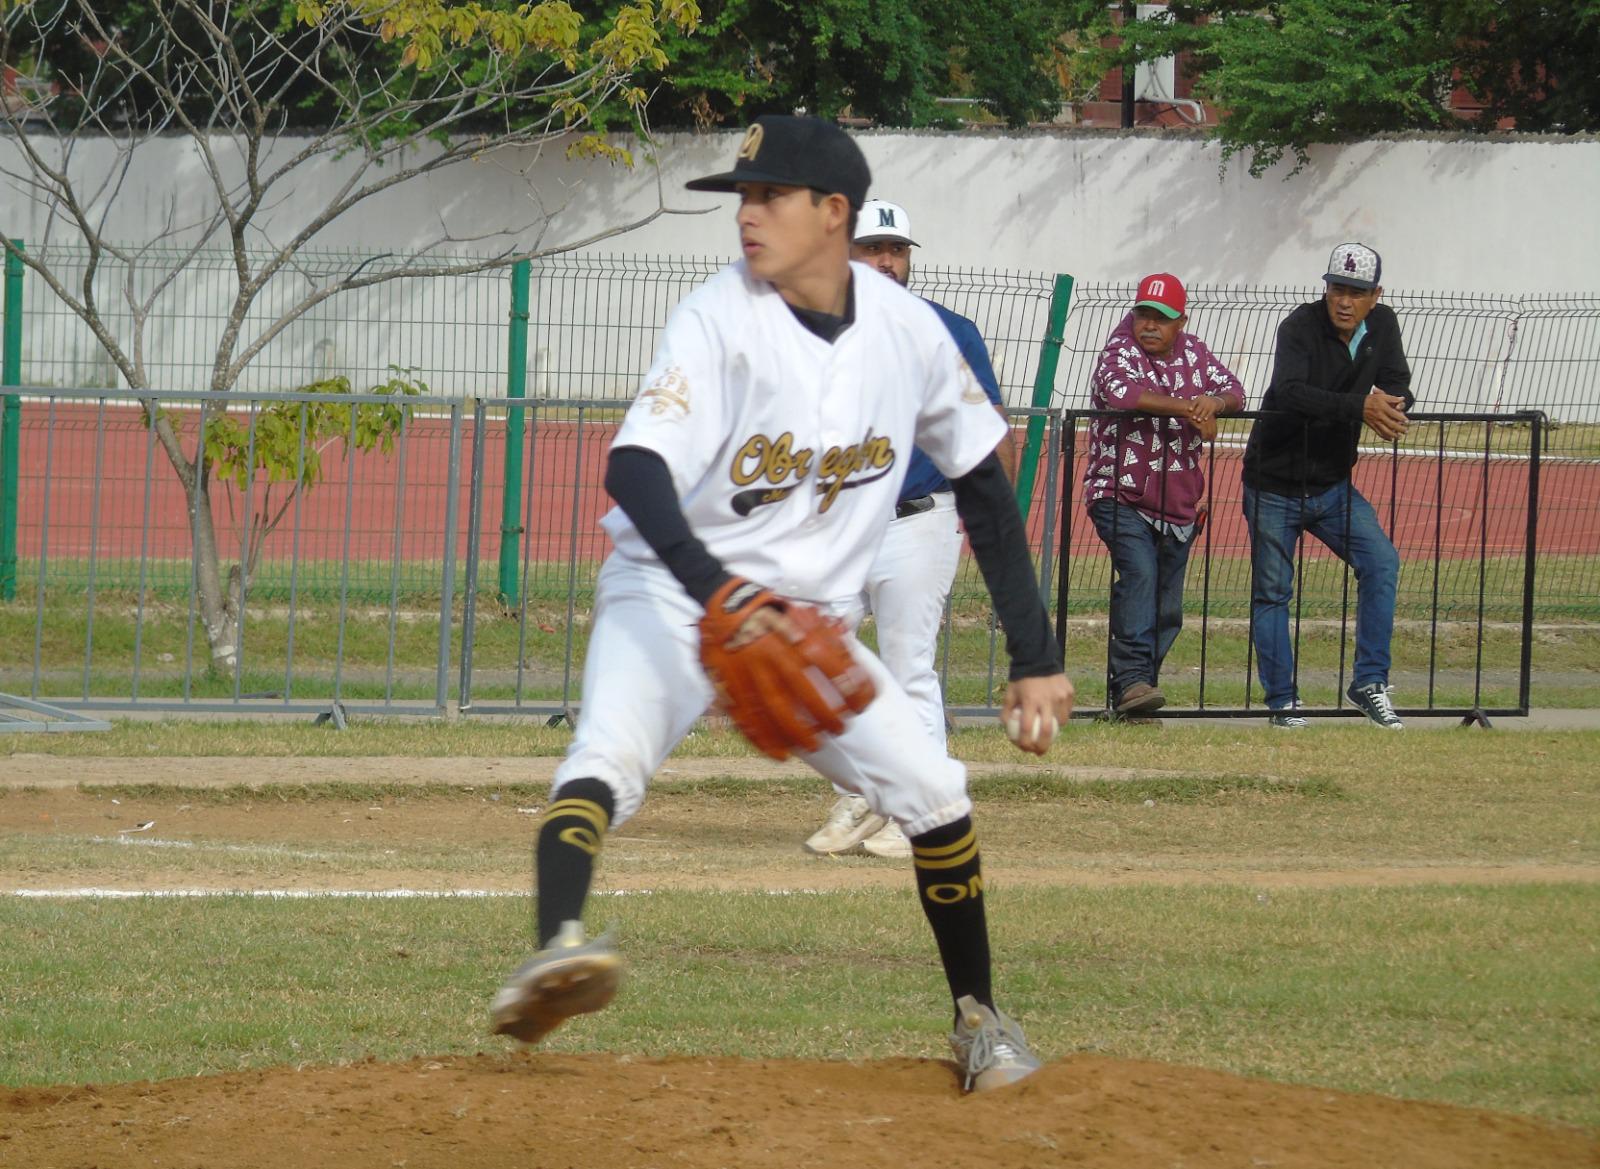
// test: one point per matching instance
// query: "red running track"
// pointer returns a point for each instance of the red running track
(88, 468)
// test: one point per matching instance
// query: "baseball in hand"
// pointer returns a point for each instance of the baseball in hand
(1014, 727)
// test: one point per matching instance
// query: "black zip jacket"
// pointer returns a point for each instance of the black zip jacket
(1318, 391)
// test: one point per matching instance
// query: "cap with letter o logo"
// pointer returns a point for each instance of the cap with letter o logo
(788, 151)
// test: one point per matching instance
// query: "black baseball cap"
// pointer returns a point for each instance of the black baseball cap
(796, 152)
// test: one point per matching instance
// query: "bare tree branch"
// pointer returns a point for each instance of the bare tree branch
(212, 82)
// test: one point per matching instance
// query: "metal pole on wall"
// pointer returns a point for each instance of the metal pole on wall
(1130, 13)
(1044, 388)
(10, 420)
(516, 387)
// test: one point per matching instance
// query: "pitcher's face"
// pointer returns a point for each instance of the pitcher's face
(784, 231)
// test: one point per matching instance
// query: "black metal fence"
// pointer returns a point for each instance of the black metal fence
(1464, 523)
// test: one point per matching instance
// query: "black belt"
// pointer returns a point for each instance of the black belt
(915, 506)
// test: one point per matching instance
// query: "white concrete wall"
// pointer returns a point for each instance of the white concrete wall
(1512, 215)
(1475, 222)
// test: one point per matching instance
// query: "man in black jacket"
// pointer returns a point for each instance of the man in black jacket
(1339, 365)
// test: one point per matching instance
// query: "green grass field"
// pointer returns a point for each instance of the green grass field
(1412, 915)
(366, 653)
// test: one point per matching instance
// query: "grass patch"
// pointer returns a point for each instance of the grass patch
(1447, 657)
(1475, 996)
(1173, 789)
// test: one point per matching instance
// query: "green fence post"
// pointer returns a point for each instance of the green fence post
(10, 420)
(1044, 386)
(516, 387)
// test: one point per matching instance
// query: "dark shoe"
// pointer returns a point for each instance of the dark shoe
(1372, 700)
(1140, 698)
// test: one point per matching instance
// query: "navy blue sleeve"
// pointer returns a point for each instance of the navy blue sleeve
(970, 342)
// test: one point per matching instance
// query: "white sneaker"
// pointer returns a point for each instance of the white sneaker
(848, 824)
(888, 842)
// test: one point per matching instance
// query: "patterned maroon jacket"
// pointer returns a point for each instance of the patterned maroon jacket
(1149, 461)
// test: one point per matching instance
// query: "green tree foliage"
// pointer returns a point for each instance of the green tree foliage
(1538, 63)
(272, 456)
(888, 60)
(1294, 73)
(444, 68)
(1289, 74)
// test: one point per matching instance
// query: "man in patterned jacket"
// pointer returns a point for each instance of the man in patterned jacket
(1143, 483)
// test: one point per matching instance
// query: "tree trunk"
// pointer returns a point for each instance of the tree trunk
(219, 608)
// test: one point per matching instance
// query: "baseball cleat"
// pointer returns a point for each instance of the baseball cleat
(990, 1047)
(888, 842)
(848, 824)
(571, 976)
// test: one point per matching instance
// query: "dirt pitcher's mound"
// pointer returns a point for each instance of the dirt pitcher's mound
(604, 1112)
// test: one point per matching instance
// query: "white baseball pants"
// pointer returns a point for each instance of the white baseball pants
(907, 587)
(643, 689)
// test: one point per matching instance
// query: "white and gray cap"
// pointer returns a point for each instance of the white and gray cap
(882, 220)
(1354, 264)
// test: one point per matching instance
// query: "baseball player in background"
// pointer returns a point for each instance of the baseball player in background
(766, 448)
(910, 577)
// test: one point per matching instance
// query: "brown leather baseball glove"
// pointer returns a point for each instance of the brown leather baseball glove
(782, 671)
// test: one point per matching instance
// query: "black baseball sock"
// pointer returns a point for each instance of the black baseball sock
(950, 884)
(569, 841)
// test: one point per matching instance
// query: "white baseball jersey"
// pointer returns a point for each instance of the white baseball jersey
(787, 452)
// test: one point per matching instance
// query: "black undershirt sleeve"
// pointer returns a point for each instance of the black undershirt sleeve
(988, 511)
(640, 482)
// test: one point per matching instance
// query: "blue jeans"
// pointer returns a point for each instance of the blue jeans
(1146, 593)
(1343, 520)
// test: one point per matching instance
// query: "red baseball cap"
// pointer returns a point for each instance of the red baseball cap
(1163, 292)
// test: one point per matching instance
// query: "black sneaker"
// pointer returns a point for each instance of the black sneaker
(1373, 701)
(1288, 718)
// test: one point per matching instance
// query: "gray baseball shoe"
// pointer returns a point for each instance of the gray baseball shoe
(990, 1047)
(571, 976)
